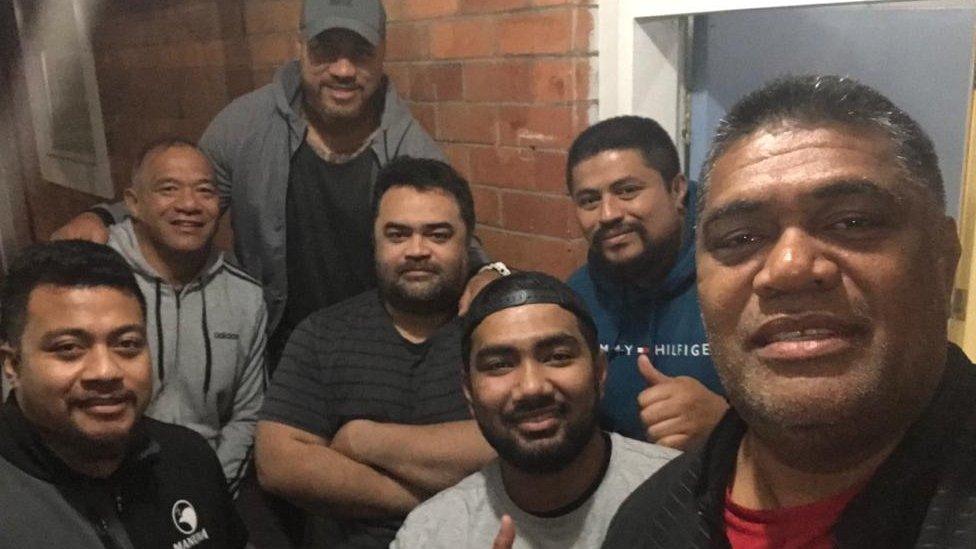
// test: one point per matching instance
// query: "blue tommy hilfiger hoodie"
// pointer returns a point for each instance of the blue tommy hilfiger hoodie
(663, 322)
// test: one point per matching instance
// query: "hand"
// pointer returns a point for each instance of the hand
(678, 412)
(353, 438)
(506, 534)
(475, 285)
(84, 226)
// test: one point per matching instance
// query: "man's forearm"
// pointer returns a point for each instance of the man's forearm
(324, 481)
(430, 457)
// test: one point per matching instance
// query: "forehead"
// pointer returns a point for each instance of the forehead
(524, 326)
(177, 161)
(91, 309)
(793, 161)
(409, 206)
(610, 166)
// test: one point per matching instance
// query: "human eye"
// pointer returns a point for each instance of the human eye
(130, 346)
(396, 234)
(495, 366)
(587, 200)
(67, 350)
(207, 190)
(628, 190)
(560, 356)
(856, 225)
(441, 235)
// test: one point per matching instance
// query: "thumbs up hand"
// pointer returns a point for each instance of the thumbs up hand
(506, 534)
(679, 411)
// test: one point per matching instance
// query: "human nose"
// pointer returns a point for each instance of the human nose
(533, 382)
(417, 247)
(796, 263)
(188, 201)
(102, 366)
(342, 67)
(610, 210)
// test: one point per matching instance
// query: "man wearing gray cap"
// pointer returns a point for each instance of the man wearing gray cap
(297, 160)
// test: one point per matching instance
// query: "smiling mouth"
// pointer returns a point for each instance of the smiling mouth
(105, 406)
(536, 422)
(806, 338)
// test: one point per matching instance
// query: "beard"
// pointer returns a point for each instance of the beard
(439, 294)
(646, 269)
(540, 456)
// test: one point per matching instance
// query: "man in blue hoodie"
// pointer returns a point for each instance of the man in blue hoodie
(634, 207)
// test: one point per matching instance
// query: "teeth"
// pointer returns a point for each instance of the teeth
(812, 333)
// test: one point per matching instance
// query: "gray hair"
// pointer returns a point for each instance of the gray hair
(825, 99)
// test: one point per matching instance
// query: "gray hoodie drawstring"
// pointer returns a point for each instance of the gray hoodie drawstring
(159, 329)
(206, 342)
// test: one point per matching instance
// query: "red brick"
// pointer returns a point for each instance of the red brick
(458, 155)
(427, 9)
(539, 214)
(394, 9)
(518, 168)
(555, 256)
(550, 31)
(405, 41)
(506, 81)
(550, 127)
(426, 114)
(583, 31)
(271, 16)
(467, 122)
(488, 6)
(462, 38)
(399, 74)
(487, 205)
(436, 82)
(272, 49)
(554, 81)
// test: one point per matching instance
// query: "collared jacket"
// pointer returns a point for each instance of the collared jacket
(207, 341)
(923, 495)
(662, 322)
(168, 493)
(251, 142)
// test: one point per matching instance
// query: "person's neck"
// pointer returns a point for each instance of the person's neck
(417, 328)
(87, 461)
(176, 268)
(543, 493)
(772, 474)
(340, 135)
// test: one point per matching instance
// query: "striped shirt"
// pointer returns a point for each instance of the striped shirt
(349, 362)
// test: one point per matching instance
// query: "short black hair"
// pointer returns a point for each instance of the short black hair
(159, 145)
(622, 133)
(424, 174)
(66, 263)
(829, 99)
(526, 288)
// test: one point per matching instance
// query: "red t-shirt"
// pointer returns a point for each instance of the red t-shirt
(805, 526)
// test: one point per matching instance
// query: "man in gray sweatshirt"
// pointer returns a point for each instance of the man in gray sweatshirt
(206, 318)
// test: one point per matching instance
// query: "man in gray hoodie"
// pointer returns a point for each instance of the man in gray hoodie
(296, 160)
(205, 318)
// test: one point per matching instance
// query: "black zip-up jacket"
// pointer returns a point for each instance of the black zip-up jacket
(169, 492)
(923, 495)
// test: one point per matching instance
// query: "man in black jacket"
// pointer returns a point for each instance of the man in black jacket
(825, 261)
(79, 464)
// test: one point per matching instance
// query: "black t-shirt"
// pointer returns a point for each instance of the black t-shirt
(329, 242)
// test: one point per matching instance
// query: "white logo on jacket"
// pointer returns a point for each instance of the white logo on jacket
(184, 517)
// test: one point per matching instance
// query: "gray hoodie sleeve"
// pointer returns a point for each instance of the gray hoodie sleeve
(237, 435)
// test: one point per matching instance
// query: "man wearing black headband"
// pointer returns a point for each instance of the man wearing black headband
(533, 378)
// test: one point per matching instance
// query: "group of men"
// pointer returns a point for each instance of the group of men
(424, 396)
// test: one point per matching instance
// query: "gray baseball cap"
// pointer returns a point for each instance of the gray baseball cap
(366, 18)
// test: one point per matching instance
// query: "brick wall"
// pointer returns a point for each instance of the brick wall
(503, 85)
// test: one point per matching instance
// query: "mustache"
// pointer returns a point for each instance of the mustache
(604, 232)
(94, 399)
(417, 266)
(531, 406)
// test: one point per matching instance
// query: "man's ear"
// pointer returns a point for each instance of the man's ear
(679, 190)
(131, 200)
(466, 387)
(11, 364)
(601, 366)
(951, 251)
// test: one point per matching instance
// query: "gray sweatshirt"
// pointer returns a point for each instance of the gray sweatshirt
(207, 341)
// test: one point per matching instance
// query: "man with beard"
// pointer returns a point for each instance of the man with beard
(825, 262)
(632, 203)
(296, 162)
(365, 418)
(80, 466)
(533, 378)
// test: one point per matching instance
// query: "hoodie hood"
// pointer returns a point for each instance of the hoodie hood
(124, 239)
(395, 120)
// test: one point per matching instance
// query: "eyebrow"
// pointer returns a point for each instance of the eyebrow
(84, 334)
(561, 338)
(836, 189)
(426, 226)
